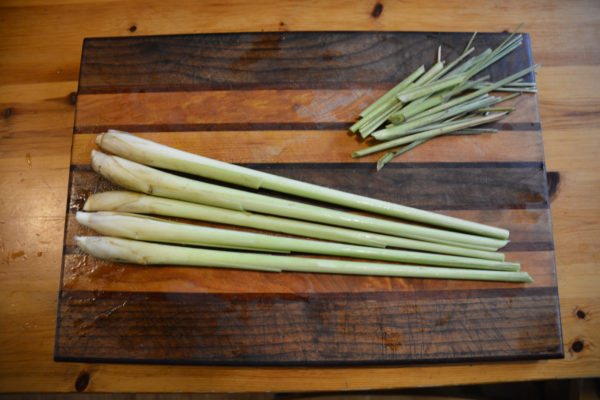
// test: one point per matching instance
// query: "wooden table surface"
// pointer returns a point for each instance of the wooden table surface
(40, 49)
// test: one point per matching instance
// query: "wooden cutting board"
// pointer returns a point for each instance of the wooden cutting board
(282, 103)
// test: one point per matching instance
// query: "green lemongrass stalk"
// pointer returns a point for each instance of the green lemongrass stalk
(415, 108)
(375, 123)
(507, 89)
(375, 114)
(473, 131)
(392, 92)
(464, 87)
(387, 157)
(402, 129)
(498, 56)
(498, 49)
(522, 84)
(417, 122)
(136, 252)
(430, 74)
(131, 202)
(410, 93)
(428, 89)
(507, 97)
(132, 226)
(467, 65)
(161, 156)
(426, 135)
(448, 68)
(501, 54)
(470, 42)
(495, 109)
(386, 101)
(379, 114)
(443, 124)
(141, 178)
(477, 93)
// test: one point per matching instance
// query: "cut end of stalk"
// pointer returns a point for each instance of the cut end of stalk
(83, 218)
(99, 139)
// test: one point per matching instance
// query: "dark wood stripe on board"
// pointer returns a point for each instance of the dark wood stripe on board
(430, 186)
(264, 126)
(274, 59)
(281, 330)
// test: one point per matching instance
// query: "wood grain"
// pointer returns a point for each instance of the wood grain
(81, 273)
(40, 54)
(407, 329)
(271, 59)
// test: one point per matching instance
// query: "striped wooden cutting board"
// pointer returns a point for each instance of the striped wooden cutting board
(282, 103)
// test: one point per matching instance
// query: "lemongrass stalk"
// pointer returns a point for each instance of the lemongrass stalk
(376, 114)
(522, 84)
(131, 202)
(392, 92)
(136, 252)
(425, 90)
(495, 109)
(501, 54)
(415, 108)
(448, 68)
(415, 122)
(473, 131)
(509, 48)
(465, 86)
(385, 109)
(500, 47)
(508, 89)
(443, 124)
(507, 97)
(477, 93)
(138, 177)
(141, 178)
(132, 226)
(430, 74)
(425, 135)
(161, 156)
(402, 129)
(387, 157)
(470, 62)
(372, 126)
(470, 42)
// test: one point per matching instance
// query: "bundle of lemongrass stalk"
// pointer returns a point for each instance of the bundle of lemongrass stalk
(440, 101)
(450, 248)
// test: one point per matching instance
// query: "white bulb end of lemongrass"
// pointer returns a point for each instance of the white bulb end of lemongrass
(101, 136)
(123, 172)
(107, 249)
(83, 218)
(117, 200)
